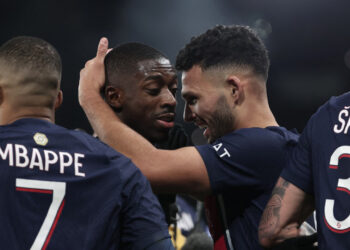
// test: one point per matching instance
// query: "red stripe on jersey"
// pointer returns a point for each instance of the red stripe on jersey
(335, 230)
(344, 155)
(333, 166)
(214, 222)
(53, 225)
(343, 189)
(220, 244)
(45, 191)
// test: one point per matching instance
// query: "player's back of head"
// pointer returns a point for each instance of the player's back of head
(123, 61)
(225, 46)
(30, 71)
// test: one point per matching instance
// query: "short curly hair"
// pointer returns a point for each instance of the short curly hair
(225, 45)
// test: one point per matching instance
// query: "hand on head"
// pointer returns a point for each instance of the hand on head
(92, 76)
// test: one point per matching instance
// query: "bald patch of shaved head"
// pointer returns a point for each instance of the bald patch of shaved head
(30, 71)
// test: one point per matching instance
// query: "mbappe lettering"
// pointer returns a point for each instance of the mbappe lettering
(19, 156)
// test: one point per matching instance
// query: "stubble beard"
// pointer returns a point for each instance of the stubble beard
(222, 120)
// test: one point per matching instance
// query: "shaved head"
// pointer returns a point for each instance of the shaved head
(30, 71)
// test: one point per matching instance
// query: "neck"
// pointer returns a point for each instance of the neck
(256, 114)
(254, 110)
(10, 115)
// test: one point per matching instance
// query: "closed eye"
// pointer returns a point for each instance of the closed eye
(191, 100)
(173, 91)
(153, 91)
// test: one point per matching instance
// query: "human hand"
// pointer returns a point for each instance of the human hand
(289, 231)
(92, 76)
(298, 243)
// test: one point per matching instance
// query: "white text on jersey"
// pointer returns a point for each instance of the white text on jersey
(344, 121)
(223, 151)
(19, 156)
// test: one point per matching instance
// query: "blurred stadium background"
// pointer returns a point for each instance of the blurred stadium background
(308, 41)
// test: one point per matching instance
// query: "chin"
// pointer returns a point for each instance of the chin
(160, 137)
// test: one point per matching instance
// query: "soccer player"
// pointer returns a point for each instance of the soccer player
(140, 87)
(316, 176)
(224, 74)
(59, 188)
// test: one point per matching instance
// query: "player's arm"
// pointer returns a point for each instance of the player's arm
(181, 170)
(287, 208)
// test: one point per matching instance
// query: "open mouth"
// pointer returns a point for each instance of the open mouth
(168, 117)
(204, 127)
(166, 120)
(200, 123)
(206, 132)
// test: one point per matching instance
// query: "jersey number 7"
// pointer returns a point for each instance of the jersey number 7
(58, 191)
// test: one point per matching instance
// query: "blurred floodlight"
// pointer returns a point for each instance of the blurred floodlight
(263, 28)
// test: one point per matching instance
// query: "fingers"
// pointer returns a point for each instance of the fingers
(88, 63)
(290, 231)
(92, 76)
(102, 49)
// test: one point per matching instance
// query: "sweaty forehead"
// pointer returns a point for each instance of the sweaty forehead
(153, 66)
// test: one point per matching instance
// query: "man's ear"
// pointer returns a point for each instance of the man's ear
(59, 99)
(114, 97)
(236, 88)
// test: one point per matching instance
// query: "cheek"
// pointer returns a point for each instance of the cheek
(146, 108)
(202, 110)
(209, 107)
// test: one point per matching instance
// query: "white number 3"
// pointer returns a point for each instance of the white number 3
(58, 191)
(343, 185)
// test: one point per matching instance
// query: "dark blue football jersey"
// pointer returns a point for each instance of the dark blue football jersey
(63, 189)
(320, 165)
(243, 168)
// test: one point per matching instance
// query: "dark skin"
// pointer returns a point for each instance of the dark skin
(145, 100)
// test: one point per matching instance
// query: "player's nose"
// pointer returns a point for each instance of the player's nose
(168, 99)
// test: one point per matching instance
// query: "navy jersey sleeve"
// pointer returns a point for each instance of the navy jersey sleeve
(242, 159)
(143, 222)
(298, 169)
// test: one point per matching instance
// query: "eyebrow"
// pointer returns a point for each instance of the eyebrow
(187, 95)
(153, 77)
(158, 78)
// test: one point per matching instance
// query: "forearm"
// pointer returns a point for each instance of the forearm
(169, 171)
(285, 211)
